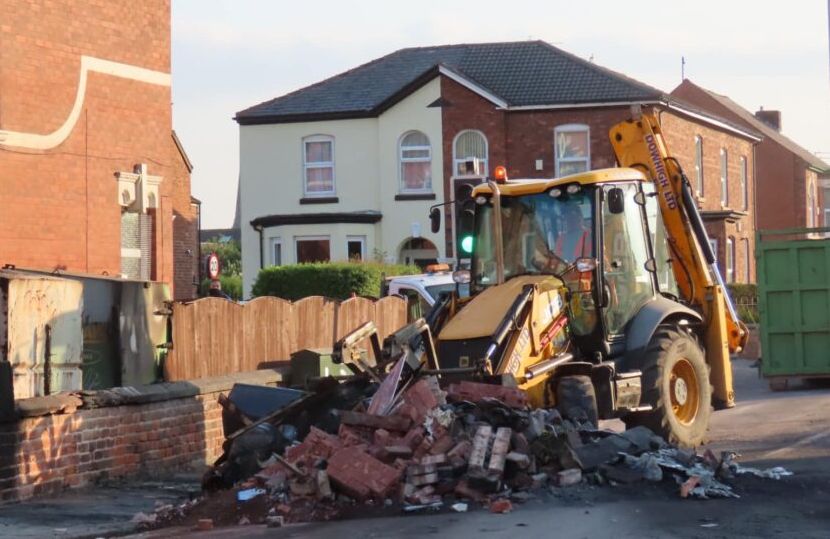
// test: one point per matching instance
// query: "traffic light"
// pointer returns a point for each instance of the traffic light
(464, 217)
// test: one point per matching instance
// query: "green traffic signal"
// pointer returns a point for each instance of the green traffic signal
(467, 244)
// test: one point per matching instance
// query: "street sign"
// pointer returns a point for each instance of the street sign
(213, 266)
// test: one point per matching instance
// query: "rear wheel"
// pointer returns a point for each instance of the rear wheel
(676, 385)
(576, 399)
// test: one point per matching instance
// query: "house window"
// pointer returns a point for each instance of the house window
(572, 153)
(356, 248)
(730, 259)
(699, 165)
(744, 184)
(811, 205)
(724, 177)
(416, 162)
(713, 243)
(747, 261)
(470, 146)
(276, 251)
(312, 249)
(318, 163)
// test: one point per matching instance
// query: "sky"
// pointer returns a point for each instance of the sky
(231, 54)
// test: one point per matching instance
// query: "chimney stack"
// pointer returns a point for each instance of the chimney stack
(770, 117)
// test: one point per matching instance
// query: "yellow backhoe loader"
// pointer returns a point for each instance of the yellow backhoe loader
(596, 292)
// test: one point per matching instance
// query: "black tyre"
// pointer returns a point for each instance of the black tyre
(576, 399)
(676, 385)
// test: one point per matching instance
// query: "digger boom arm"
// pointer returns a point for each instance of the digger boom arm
(639, 143)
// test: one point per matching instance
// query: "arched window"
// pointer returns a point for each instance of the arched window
(318, 165)
(470, 147)
(416, 162)
(572, 149)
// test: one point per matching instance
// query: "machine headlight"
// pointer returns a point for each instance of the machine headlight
(573, 188)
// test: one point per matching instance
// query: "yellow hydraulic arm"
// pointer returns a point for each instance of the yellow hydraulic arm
(639, 143)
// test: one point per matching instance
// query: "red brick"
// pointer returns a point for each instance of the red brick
(360, 474)
(475, 392)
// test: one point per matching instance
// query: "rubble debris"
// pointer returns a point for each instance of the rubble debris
(501, 505)
(406, 445)
(204, 524)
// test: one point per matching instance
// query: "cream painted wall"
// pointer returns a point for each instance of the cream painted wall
(367, 177)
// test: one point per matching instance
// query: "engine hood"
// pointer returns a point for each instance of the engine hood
(482, 315)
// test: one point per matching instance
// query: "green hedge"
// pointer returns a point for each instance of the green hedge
(231, 285)
(338, 280)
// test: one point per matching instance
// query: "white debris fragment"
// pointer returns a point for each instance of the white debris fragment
(459, 507)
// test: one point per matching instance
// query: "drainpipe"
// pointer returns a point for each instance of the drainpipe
(497, 232)
(260, 228)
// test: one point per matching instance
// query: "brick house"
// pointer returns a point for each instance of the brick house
(789, 178)
(532, 107)
(94, 181)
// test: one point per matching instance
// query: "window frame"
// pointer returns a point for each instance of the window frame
(724, 177)
(273, 242)
(571, 128)
(298, 239)
(401, 160)
(699, 185)
(456, 160)
(729, 263)
(748, 261)
(356, 238)
(319, 164)
(744, 179)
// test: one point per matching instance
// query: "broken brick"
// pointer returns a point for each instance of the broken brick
(360, 475)
(461, 450)
(426, 479)
(352, 436)
(204, 524)
(381, 437)
(317, 445)
(421, 469)
(398, 451)
(393, 422)
(442, 444)
(421, 398)
(501, 446)
(688, 486)
(414, 437)
(434, 459)
(501, 505)
(481, 443)
(476, 392)
(566, 478)
(519, 459)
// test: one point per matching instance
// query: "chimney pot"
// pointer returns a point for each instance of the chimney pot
(770, 117)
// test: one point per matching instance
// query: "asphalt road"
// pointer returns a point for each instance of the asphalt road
(790, 429)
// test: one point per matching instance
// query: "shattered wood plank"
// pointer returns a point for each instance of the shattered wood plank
(481, 443)
(396, 423)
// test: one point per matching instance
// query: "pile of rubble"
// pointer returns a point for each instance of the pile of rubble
(353, 447)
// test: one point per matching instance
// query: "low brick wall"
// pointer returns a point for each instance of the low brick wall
(161, 430)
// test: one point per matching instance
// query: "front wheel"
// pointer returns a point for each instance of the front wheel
(676, 385)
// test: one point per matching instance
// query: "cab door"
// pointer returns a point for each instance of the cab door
(628, 282)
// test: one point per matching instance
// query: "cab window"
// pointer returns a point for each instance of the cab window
(659, 242)
(416, 305)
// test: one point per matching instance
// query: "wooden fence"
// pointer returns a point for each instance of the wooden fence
(213, 336)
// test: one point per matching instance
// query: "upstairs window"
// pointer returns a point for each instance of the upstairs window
(470, 146)
(730, 259)
(699, 165)
(724, 177)
(416, 162)
(744, 184)
(572, 149)
(318, 164)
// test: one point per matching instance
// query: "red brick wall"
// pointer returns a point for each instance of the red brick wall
(780, 179)
(185, 231)
(59, 206)
(45, 455)
(680, 134)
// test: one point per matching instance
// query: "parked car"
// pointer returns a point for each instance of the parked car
(420, 291)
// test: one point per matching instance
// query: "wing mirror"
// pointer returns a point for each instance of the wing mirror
(616, 200)
(435, 220)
